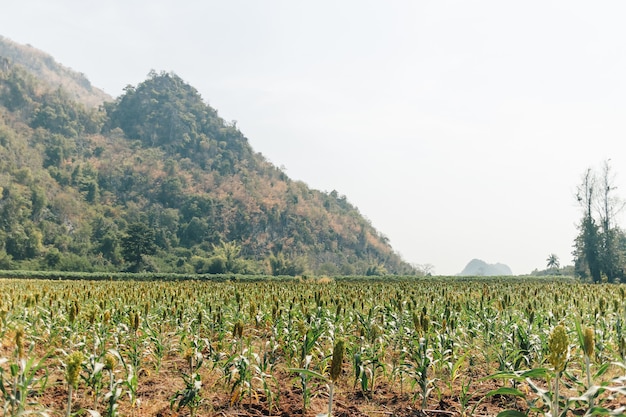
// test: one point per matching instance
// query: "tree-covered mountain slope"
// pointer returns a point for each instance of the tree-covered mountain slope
(156, 180)
(43, 66)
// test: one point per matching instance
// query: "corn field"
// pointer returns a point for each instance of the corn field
(440, 347)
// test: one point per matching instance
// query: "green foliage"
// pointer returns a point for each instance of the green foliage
(139, 241)
(281, 265)
(255, 340)
(75, 181)
(26, 373)
(60, 115)
(164, 111)
(376, 270)
(600, 252)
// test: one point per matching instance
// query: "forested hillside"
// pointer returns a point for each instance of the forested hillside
(44, 67)
(157, 181)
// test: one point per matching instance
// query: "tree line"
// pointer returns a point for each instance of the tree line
(600, 246)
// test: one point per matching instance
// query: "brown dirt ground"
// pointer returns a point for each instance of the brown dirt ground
(155, 391)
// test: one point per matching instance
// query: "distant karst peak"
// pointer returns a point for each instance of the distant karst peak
(478, 267)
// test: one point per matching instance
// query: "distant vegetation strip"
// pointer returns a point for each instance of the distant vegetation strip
(157, 276)
(139, 276)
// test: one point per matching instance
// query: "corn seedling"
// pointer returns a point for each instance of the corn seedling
(238, 374)
(26, 374)
(113, 396)
(190, 396)
(335, 372)
(73, 365)
(558, 345)
(262, 368)
(94, 376)
(131, 381)
(310, 339)
(331, 380)
(422, 359)
(159, 342)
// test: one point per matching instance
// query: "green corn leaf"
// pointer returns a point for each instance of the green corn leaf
(506, 391)
(535, 373)
(601, 411)
(511, 413)
(602, 370)
(308, 372)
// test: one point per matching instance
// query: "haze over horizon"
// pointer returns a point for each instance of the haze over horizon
(461, 130)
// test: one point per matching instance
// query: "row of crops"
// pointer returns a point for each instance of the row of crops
(471, 347)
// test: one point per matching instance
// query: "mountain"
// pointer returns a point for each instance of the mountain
(477, 267)
(44, 67)
(156, 180)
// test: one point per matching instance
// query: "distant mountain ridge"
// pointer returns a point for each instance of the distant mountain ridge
(44, 67)
(478, 267)
(82, 177)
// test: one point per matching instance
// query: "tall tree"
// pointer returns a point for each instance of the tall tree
(229, 251)
(609, 206)
(553, 262)
(597, 246)
(139, 241)
(587, 248)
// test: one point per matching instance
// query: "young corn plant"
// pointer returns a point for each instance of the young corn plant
(115, 392)
(558, 344)
(586, 342)
(368, 358)
(237, 368)
(548, 402)
(465, 397)
(310, 340)
(335, 372)
(263, 368)
(25, 376)
(331, 380)
(73, 365)
(133, 348)
(238, 374)
(422, 359)
(592, 392)
(131, 381)
(400, 367)
(159, 341)
(190, 396)
(455, 370)
(132, 385)
(94, 376)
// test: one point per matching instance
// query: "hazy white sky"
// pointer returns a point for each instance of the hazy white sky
(460, 129)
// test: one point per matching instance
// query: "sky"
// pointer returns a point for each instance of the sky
(460, 129)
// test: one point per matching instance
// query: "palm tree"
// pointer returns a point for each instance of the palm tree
(553, 262)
